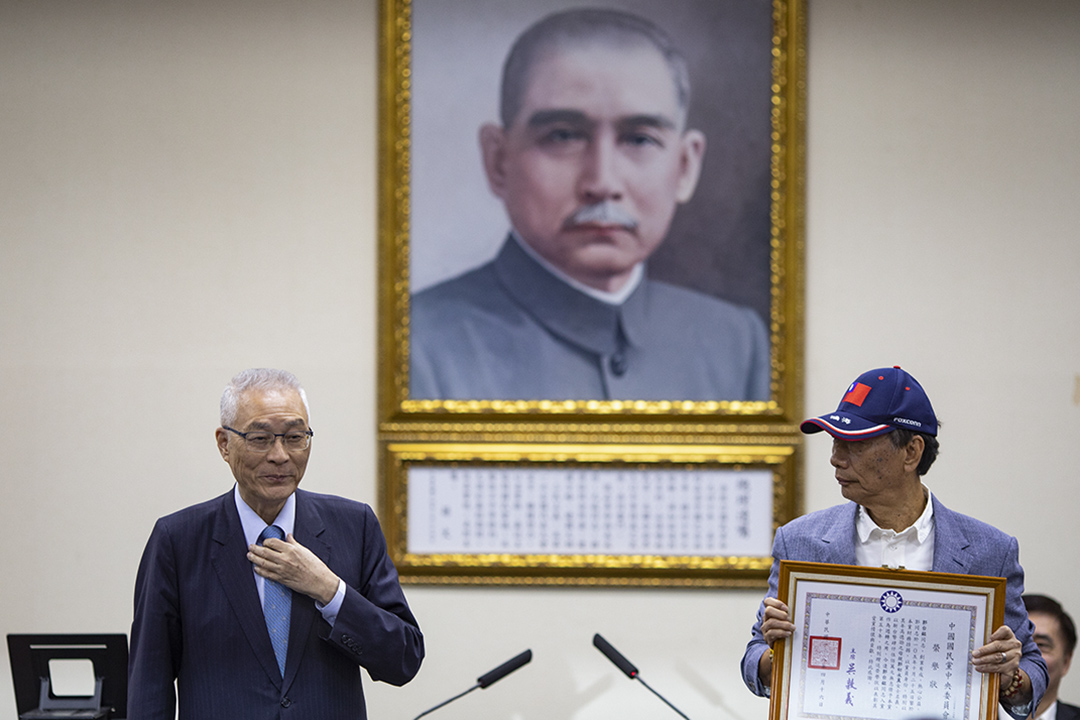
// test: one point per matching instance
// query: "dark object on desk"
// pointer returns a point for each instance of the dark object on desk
(31, 673)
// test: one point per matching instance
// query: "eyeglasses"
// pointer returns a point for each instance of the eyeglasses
(262, 441)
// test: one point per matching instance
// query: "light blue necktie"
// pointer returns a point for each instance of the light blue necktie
(277, 606)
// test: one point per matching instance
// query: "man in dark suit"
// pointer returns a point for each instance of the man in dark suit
(250, 626)
(884, 440)
(1055, 634)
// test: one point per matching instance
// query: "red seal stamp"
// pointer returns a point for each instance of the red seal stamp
(824, 653)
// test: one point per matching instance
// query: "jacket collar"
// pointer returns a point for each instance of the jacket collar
(566, 312)
(952, 548)
(839, 537)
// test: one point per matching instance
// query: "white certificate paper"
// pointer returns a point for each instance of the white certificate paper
(560, 511)
(888, 651)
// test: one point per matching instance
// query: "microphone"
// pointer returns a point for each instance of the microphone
(614, 656)
(503, 670)
(628, 667)
(488, 678)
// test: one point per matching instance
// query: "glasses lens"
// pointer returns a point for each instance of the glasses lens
(259, 441)
(297, 440)
(263, 441)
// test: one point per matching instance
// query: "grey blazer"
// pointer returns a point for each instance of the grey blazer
(962, 544)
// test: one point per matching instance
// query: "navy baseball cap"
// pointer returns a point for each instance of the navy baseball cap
(879, 401)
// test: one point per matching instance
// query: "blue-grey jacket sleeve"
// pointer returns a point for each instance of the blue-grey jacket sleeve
(1031, 660)
(757, 645)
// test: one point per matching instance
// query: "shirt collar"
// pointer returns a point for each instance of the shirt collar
(611, 298)
(254, 525)
(864, 524)
(1050, 713)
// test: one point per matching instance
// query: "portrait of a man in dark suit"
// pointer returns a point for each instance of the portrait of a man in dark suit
(591, 157)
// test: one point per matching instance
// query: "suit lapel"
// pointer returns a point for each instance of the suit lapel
(838, 538)
(1066, 711)
(952, 549)
(229, 558)
(308, 531)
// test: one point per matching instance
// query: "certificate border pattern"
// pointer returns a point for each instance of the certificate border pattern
(957, 585)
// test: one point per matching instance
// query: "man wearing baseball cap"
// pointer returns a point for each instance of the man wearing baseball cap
(884, 440)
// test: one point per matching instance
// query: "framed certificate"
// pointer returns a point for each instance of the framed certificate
(884, 644)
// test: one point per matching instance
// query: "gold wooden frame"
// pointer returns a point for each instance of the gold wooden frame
(574, 568)
(672, 433)
(992, 589)
(788, 90)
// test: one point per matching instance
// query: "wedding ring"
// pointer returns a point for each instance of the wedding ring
(1004, 658)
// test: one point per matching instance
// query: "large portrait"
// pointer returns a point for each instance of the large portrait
(591, 210)
(590, 288)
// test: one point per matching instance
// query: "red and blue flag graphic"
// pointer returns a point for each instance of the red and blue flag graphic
(856, 394)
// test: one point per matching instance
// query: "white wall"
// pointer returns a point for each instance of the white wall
(188, 188)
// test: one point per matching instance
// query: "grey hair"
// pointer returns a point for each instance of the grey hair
(257, 379)
(577, 28)
(931, 446)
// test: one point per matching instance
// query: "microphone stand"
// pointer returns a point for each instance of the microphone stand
(487, 679)
(447, 702)
(638, 678)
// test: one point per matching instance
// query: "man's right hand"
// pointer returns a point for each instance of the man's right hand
(775, 625)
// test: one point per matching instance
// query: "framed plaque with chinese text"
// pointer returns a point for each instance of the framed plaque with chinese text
(881, 644)
(564, 514)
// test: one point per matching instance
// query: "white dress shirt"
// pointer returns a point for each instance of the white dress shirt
(912, 548)
(1050, 714)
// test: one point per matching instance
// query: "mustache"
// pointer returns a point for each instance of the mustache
(604, 212)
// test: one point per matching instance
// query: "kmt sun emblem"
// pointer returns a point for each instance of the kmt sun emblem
(891, 601)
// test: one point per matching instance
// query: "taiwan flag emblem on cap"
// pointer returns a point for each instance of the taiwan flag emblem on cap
(856, 394)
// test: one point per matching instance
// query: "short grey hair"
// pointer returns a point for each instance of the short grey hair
(578, 28)
(257, 379)
(931, 446)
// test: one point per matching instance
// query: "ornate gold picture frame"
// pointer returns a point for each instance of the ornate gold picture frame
(884, 644)
(481, 339)
(569, 514)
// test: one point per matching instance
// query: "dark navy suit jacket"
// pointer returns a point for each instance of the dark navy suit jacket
(198, 620)
(962, 545)
(1065, 711)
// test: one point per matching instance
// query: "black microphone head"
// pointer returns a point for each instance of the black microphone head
(614, 656)
(505, 669)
